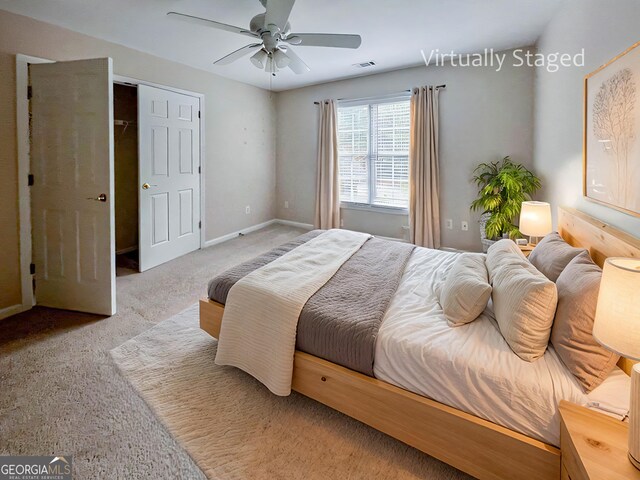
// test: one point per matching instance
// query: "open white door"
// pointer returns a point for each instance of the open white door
(72, 195)
(169, 163)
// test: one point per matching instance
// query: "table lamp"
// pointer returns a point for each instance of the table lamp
(535, 220)
(617, 328)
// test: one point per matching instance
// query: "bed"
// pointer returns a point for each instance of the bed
(518, 442)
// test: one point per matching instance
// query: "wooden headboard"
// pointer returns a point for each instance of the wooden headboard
(601, 240)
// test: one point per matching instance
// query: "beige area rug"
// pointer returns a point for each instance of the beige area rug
(234, 428)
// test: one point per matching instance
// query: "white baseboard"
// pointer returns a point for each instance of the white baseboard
(12, 310)
(253, 228)
(230, 236)
(290, 223)
(126, 250)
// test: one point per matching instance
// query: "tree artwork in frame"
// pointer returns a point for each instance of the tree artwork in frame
(612, 133)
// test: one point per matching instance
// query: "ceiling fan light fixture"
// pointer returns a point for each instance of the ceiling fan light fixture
(259, 59)
(281, 59)
(270, 66)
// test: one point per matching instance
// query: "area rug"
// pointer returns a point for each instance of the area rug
(234, 428)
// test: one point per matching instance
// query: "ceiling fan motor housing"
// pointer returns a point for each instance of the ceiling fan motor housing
(257, 23)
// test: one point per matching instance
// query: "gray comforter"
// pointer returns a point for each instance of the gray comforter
(340, 322)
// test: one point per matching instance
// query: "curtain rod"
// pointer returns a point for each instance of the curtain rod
(437, 87)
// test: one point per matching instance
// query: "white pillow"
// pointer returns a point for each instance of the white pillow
(524, 300)
(466, 291)
(500, 250)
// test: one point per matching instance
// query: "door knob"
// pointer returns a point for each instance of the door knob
(100, 198)
(146, 186)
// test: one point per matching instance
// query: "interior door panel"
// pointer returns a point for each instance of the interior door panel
(169, 161)
(72, 204)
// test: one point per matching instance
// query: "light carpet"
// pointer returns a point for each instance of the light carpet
(62, 394)
(234, 428)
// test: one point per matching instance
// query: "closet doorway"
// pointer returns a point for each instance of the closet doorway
(157, 147)
(125, 145)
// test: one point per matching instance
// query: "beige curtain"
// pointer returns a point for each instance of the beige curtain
(424, 205)
(327, 186)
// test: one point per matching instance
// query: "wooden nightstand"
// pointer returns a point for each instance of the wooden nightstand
(526, 249)
(594, 446)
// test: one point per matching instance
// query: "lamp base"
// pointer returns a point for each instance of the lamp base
(634, 417)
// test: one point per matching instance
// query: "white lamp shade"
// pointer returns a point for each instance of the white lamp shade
(259, 59)
(270, 66)
(281, 58)
(535, 219)
(617, 324)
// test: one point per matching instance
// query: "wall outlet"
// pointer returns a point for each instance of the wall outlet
(448, 224)
(247, 209)
(464, 225)
(286, 204)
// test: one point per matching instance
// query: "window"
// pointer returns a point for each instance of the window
(373, 153)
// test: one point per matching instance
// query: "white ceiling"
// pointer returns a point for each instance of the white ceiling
(393, 31)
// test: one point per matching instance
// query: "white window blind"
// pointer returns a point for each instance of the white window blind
(373, 150)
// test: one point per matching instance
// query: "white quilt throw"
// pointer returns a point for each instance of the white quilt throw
(258, 333)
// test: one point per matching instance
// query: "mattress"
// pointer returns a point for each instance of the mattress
(471, 367)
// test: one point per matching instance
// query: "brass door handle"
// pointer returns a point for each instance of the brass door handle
(100, 198)
(146, 186)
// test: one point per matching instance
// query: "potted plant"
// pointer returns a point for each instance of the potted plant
(502, 187)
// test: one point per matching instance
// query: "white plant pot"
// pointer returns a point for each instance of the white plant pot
(486, 242)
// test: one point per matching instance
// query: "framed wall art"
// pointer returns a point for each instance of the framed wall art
(612, 133)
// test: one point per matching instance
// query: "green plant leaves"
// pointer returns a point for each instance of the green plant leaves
(502, 187)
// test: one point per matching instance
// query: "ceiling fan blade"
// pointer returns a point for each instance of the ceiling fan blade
(338, 40)
(296, 64)
(210, 23)
(278, 12)
(241, 52)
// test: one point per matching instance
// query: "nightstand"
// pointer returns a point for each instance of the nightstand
(594, 445)
(526, 249)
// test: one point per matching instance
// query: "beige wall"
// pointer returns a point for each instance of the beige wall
(604, 30)
(484, 115)
(240, 138)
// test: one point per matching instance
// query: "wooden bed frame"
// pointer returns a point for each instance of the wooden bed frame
(471, 444)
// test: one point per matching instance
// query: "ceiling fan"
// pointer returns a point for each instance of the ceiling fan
(272, 32)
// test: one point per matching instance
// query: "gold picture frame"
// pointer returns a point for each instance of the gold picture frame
(611, 133)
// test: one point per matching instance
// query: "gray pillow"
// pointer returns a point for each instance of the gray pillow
(466, 291)
(572, 333)
(552, 255)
